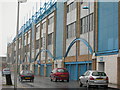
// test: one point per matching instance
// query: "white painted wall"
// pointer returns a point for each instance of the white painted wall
(58, 63)
(72, 51)
(85, 12)
(43, 35)
(83, 47)
(71, 17)
(50, 48)
(110, 67)
(29, 34)
(38, 35)
(50, 28)
(69, 1)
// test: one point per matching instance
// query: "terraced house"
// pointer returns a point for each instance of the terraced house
(76, 35)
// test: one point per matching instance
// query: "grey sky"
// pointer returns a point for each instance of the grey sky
(8, 15)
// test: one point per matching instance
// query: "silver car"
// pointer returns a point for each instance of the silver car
(93, 78)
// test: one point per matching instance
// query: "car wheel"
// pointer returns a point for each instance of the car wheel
(51, 79)
(55, 79)
(106, 86)
(68, 80)
(80, 84)
(88, 86)
(21, 80)
(32, 80)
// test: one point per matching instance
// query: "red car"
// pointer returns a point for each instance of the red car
(59, 74)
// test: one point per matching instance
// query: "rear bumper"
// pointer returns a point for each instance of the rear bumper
(27, 78)
(104, 83)
(62, 78)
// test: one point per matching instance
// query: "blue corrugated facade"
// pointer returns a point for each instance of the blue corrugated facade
(107, 27)
(59, 29)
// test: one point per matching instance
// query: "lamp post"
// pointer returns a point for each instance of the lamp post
(17, 44)
(88, 8)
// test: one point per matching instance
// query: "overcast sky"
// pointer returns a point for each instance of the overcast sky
(8, 15)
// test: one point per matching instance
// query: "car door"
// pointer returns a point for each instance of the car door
(82, 79)
(52, 73)
(86, 78)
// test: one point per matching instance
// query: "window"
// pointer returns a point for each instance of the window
(42, 42)
(98, 74)
(50, 20)
(85, 24)
(71, 28)
(37, 44)
(50, 39)
(43, 25)
(62, 70)
(71, 7)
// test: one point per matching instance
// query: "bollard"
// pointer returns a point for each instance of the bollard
(8, 79)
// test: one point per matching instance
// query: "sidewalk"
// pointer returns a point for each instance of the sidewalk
(4, 83)
(113, 86)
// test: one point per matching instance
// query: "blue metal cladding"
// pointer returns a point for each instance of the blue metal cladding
(76, 69)
(107, 26)
(73, 72)
(49, 69)
(59, 29)
(83, 69)
(36, 69)
(42, 70)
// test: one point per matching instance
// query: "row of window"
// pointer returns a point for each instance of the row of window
(71, 7)
(50, 21)
(71, 29)
(86, 26)
(50, 39)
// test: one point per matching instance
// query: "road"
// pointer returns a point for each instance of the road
(44, 82)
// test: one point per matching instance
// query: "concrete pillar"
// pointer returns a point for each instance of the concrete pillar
(94, 64)
(45, 69)
(65, 28)
(63, 63)
(38, 69)
(54, 37)
(96, 26)
(77, 30)
(52, 64)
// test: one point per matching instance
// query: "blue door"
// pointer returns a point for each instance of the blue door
(36, 69)
(42, 70)
(72, 69)
(73, 72)
(68, 67)
(82, 68)
(49, 69)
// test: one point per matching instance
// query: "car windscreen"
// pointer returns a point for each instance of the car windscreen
(62, 70)
(27, 72)
(98, 74)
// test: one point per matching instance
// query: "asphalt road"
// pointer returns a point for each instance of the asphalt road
(45, 83)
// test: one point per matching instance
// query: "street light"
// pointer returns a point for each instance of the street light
(88, 8)
(16, 65)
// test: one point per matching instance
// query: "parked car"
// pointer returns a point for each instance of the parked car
(93, 78)
(26, 75)
(6, 71)
(59, 74)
